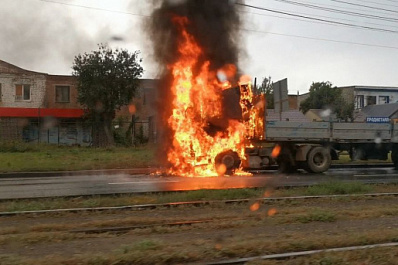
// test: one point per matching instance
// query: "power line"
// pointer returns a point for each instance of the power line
(318, 19)
(318, 16)
(338, 11)
(297, 19)
(319, 39)
(377, 3)
(366, 6)
(95, 8)
(245, 29)
(359, 8)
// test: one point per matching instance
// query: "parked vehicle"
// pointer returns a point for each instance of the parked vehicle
(313, 145)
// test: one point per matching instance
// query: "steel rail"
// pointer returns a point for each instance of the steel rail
(194, 203)
(301, 253)
(123, 229)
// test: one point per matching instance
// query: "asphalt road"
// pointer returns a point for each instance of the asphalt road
(112, 182)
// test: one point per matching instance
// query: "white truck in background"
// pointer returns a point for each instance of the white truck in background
(313, 145)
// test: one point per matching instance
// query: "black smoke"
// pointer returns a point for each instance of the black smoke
(215, 26)
(213, 23)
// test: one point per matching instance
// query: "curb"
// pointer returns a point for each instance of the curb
(133, 171)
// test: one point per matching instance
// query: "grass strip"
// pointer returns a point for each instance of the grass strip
(199, 195)
(39, 157)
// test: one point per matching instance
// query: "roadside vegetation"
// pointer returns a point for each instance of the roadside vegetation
(25, 157)
(344, 158)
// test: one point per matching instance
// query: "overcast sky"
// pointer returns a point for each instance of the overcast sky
(342, 41)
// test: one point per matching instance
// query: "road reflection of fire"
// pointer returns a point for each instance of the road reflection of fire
(209, 183)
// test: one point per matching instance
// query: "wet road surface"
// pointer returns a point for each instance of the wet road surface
(113, 183)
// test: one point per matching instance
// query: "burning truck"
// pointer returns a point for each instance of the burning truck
(209, 115)
(210, 118)
(204, 98)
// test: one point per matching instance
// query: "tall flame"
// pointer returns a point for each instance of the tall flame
(196, 100)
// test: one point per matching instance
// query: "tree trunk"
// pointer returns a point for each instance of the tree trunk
(108, 118)
(102, 130)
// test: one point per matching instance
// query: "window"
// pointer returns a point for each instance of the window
(22, 92)
(384, 99)
(359, 102)
(1, 95)
(370, 100)
(62, 94)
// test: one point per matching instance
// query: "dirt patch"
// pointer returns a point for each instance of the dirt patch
(232, 231)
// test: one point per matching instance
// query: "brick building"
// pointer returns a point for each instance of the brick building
(142, 112)
(40, 107)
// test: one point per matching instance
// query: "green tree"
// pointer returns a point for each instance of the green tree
(324, 95)
(267, 89)
(106, 80)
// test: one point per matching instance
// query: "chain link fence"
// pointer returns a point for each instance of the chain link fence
(73, 131)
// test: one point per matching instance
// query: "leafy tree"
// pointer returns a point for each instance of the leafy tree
(267, 89)
(106, 80)
(324, 95)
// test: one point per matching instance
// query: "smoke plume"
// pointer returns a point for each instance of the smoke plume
(214, 24)
(215, 27)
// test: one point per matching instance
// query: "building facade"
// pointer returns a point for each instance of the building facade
(38, 107)
(43, 108)
(142, 113)
(363, 96)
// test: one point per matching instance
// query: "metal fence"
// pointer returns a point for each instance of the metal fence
(73, 132)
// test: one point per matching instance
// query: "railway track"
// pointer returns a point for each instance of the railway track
(290, 255)
(227, 231)
(142, 207)
(125, 229)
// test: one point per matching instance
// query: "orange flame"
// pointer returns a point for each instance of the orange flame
(196, 100)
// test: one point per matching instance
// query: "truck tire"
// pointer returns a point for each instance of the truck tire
(230, 160)
(318, 160)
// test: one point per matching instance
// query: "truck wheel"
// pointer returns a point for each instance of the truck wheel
(230, 160)
(318, 160)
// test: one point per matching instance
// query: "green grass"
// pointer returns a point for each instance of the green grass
(317, 216)
(32, 157)
(127, 199)
(25, 157)
(344, 158)
(338, 188)
(198, 195)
